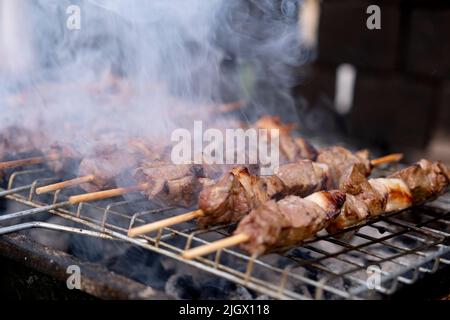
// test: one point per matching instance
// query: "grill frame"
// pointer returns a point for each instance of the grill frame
(48, 269)
(102, 220)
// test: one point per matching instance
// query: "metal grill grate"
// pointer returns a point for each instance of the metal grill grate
(394, 250)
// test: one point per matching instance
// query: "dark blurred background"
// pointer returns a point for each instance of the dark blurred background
(401, 98)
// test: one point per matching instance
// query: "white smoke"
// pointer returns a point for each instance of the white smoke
(136, 66)
(139, 67)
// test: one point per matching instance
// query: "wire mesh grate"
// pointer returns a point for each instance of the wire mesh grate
(363, 262)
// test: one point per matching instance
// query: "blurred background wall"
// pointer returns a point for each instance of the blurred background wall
(401, 97)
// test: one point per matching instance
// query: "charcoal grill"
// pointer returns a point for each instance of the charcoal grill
(398, 249)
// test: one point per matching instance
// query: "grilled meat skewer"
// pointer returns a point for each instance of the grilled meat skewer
(106, 162)
(174, 183)
(58, 158)
(366, 199)
(22, 147)
(280, 224)
(98, 170)
(179, 185)
(163, 183)
(19, 147)
(171, 184)
(237, 192)
(104, 165)
(188, 185)
(276, 225)
(425, 179)
(292, 148)
(18, 141)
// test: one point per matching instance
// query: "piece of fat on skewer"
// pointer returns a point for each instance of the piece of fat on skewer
(376, 197)
(397, 193)
(327, 200)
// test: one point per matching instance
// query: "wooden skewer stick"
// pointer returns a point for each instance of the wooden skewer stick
(199, 213)
(215, 246)
(28, 161)
(165, 223)
(100, 195)
(65, 184)
(394, 157)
